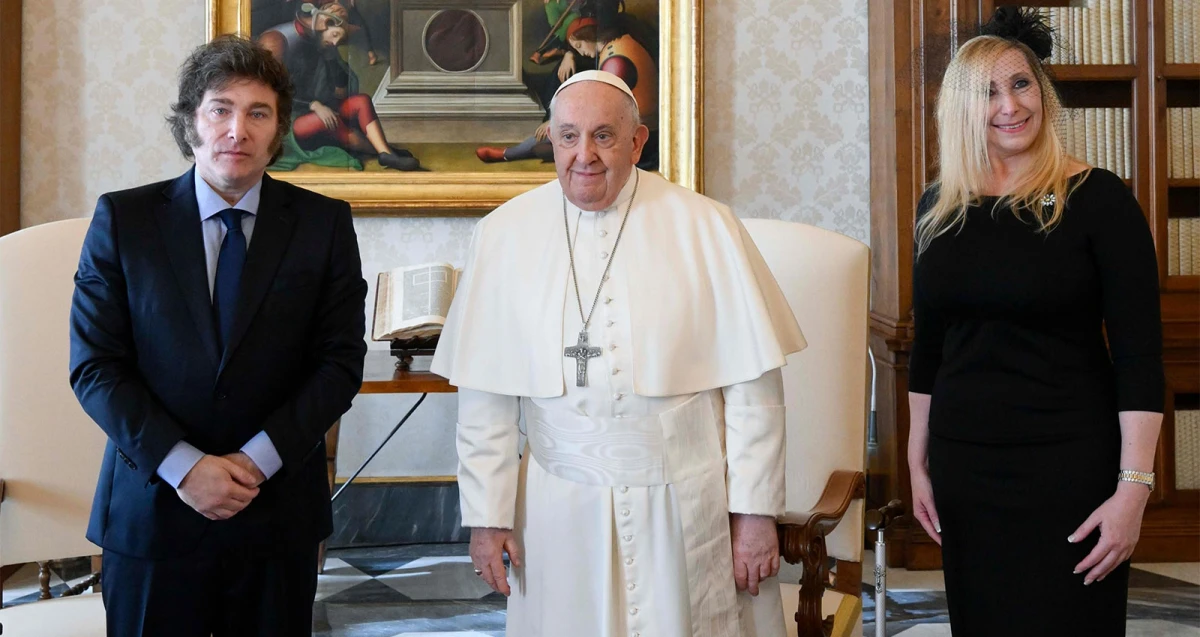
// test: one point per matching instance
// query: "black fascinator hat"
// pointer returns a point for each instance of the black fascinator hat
(1024, 25)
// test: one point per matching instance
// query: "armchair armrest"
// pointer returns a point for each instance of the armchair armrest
(802, 539)
(797, 531)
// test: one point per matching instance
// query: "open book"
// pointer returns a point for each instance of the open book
(412, 301)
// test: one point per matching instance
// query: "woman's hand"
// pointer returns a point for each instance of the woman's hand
(1120, 522)
(923, 508)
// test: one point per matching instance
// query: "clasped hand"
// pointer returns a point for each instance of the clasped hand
(219, 487)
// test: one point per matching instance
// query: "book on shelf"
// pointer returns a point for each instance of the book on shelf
(1187, 142)
(1195, 114)
(1187, 12)
(1093, 28)
(1110, 142)
(1119, 141)
(1093, 142)
(1078, 41)
(1093, 31)
(1169, 30)
(1126, 27)
(1100, 137)
(412, 301)
(1175, 142)
(1193, 234)
(1173, 246)
(1182, 45)
(1173, 156)
(1194, 12)
(1103, 25)
(1187, 246)
(1127, 115)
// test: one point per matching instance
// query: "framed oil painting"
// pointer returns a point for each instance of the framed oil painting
(438, 107)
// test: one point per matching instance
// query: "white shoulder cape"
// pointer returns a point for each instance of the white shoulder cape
(705, 311)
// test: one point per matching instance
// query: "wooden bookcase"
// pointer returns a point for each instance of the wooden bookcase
(903, 155)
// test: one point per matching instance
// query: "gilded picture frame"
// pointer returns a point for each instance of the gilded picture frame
(473, 192)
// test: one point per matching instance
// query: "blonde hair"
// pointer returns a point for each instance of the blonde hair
(963, 162)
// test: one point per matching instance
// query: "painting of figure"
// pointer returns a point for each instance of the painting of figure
(457, 86)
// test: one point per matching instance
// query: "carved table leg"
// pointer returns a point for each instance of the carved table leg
(331, 448)
(97, 565)
(43, 580)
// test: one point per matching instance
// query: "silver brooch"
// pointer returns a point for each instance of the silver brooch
(1048, 201)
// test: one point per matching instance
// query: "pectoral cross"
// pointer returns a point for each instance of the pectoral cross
(581, 353)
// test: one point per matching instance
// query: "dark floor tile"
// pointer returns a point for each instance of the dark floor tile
(369, 593)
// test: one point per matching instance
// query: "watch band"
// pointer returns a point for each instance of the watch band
(1140, 477)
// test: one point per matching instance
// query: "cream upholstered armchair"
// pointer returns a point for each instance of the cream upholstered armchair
(824, 276)
(50, 450)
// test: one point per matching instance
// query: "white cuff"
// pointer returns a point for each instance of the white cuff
(179, 461)
(262, 452)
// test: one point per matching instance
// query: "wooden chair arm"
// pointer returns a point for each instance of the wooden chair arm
(798, 530)
(802, 540)
(1, 489)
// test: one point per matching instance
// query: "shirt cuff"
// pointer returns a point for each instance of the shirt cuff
(262, 451)
(179, 461)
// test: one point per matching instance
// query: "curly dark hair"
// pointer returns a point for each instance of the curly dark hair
(215, 65)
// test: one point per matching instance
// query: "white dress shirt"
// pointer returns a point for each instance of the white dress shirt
(183, 456)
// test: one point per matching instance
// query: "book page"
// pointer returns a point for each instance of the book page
(427, 292)
(412, 301)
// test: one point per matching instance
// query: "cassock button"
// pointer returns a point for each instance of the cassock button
(616, 370)
(624, 489)
(630, 586)
(603, 232)
(603, 255)
(629, 561)
(609, 324)
(612, 347)
(618, 396)
(633, 611)
(607, 300)
(627, 538)
(625, 512)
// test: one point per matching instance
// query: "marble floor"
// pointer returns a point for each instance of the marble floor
(430, 591)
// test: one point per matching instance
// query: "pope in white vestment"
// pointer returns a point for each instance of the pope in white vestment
(639, 452)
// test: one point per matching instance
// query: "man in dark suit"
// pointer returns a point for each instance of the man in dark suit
(216, 334)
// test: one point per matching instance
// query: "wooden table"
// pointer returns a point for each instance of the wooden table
(380, 376)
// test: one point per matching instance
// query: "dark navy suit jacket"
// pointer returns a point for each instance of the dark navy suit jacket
(146, 367)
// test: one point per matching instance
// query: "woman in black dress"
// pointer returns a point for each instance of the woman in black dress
(1031, 440)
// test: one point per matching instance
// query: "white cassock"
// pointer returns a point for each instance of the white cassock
(621, 502)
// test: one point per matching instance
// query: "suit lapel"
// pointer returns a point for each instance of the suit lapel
(273, 228)
(179, 223)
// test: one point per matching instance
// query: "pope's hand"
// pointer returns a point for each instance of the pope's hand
(487, 554)
(755, 550)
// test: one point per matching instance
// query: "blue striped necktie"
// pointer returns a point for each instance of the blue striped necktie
(229, 273)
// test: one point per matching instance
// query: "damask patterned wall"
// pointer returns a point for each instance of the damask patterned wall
(785, 137)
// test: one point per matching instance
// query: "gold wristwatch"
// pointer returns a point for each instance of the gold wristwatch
(1140, 477)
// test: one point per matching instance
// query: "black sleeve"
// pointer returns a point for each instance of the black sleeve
(103, 363)
(1123, 250)
(929, 325)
